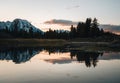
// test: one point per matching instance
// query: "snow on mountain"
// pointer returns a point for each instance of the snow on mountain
(20, 24)
(8, 24)
(4, 25)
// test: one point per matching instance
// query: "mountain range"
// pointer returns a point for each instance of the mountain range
(19, 28)
(19, 24)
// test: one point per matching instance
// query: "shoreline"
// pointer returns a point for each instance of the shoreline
(31, 42)
(70, 45)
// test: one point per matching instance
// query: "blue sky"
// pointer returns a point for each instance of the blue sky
(39, 11)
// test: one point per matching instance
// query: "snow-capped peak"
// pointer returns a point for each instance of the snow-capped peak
(4, 25)
(21, 24)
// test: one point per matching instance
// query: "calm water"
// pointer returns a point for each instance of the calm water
(58, 65)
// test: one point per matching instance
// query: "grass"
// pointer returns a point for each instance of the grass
(98, 39)
(95, 46)
(31, 42)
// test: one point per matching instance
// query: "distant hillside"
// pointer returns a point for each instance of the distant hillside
(19, 28)
(111, 28)
(24, 25)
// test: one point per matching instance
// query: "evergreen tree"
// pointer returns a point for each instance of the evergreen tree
(88, 26)
(81, 30)
(94, 28)
(73, 32)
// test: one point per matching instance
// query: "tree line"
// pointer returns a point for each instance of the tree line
(15, 33)
(87, 29)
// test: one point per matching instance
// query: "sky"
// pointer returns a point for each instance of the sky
(59, 14)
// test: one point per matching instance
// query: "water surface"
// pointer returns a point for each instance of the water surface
(58, 65)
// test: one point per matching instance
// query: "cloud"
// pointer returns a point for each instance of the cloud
(73, 7)
(61, 22)
(111, 28)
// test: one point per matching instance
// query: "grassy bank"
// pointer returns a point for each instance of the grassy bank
(31, 42)
(71, 45)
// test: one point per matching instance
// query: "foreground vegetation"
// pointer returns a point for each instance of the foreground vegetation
(69, 45)
(31, 42)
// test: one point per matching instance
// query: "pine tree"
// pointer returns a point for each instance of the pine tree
(94, 31)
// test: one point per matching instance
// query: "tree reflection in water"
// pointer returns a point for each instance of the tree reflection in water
(21, 55)
(90, 58)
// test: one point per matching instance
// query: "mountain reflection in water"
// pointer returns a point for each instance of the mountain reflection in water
(21, 55)
(18, 55)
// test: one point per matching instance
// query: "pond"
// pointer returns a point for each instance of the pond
(58, 65)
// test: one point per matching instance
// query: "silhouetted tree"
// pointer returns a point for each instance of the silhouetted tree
(73, 32)
(94, 31)
(87, 27)
(81, 30)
